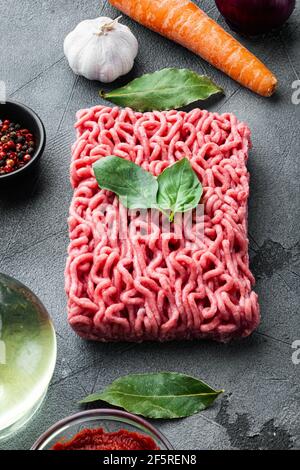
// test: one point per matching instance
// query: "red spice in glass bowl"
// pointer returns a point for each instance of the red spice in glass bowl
(98, 439)
(107, 424)
(17, 146)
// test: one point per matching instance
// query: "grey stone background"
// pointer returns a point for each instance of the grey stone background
(260, 408)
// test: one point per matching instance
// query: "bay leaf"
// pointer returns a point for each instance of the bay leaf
(169, 88)
(160, 395)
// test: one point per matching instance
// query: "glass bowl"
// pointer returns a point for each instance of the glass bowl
(108, 419)
(27, 354)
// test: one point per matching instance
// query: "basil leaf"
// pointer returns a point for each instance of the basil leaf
(136, 188)
(159, 395)
(165, 89)
(179, 189)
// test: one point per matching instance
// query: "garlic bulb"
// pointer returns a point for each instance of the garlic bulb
(101, 49)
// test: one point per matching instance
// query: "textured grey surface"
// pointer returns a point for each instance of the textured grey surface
(261, 406)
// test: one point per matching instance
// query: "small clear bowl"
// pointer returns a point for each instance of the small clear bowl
(27, 354)
(108, 419)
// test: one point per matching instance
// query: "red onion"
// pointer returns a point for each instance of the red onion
(255, 16)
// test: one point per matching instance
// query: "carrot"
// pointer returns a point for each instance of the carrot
(183, 22)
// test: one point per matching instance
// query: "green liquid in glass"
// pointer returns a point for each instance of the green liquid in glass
(27, 354)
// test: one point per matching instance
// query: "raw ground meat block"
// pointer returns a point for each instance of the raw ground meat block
(160, 286)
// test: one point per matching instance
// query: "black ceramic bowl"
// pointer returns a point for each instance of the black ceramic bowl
(27, 118)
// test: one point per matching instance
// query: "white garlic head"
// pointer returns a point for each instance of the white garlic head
(101, 49)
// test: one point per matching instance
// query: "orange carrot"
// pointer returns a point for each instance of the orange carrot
(183, 22)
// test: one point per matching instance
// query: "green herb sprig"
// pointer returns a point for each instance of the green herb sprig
(177, 188)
